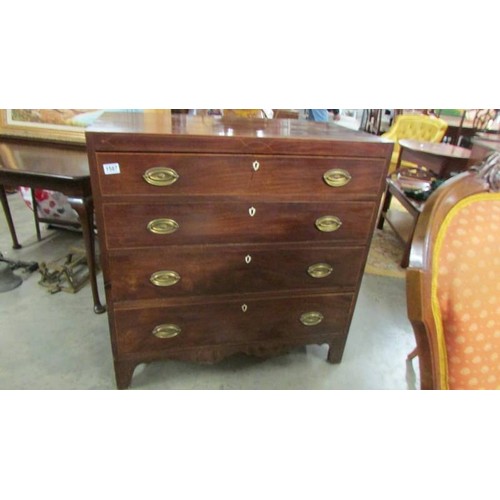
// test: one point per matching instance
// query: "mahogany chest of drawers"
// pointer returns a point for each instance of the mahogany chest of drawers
(221, 236)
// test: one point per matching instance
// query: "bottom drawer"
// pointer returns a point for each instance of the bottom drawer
(155, 329)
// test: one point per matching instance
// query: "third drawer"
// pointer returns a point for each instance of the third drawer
(213, 270)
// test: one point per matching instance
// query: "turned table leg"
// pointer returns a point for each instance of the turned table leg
(85, 209)
(385, 208)
(8, 216)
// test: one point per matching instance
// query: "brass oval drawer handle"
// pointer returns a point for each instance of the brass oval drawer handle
(311, 318)
(328, 223)
(166, 331)
(163, 226)
(164, 278)
(337, 177)
(160, 176)
(320, 270)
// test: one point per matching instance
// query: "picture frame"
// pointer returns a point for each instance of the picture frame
(56, 125)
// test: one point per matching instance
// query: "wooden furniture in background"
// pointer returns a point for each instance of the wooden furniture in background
(483, 119)
(441, 159)
(286, 113)
(229, 235)
(460, 130)
(372, 120)
(58, 169)
(482, 147)
(402, 223)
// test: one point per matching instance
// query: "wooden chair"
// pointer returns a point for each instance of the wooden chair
(244, 113)
(420, 127)
(483, 118)
(453, 282)
(372, 121)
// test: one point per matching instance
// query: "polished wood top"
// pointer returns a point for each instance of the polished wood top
(46, 161)
(163, 123)
(436, 149)
(160, 131)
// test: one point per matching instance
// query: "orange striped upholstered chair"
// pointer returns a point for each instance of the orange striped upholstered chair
(453, 282)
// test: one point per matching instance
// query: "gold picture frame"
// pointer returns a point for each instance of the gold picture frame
(44, 124)
(55, 125)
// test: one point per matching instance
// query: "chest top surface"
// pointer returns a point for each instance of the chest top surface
(160, 131)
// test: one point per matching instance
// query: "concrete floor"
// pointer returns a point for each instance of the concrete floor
(55, 341)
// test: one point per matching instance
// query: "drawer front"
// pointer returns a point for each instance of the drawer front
(245, 321)
(135, 225)
(190, 271)
(297, 178)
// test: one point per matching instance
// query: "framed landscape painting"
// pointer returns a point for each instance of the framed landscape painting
(61, 125)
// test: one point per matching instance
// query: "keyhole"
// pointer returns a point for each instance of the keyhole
(248, 259)
(256, 165)
(244, 308)
(251, 211)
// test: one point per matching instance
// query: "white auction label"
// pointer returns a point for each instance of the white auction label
(111, 168)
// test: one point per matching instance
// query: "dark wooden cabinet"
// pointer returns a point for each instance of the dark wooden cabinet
(482, 146)
(226, 235)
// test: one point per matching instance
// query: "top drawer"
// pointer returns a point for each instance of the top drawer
(288, 177)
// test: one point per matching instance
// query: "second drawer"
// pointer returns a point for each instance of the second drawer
(218, 222)
(207, 270)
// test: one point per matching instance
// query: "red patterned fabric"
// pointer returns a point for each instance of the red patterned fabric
(51, 204)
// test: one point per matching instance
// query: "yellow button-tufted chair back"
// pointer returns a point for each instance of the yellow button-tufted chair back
(244, 113)
(418, 127)
(453, 282)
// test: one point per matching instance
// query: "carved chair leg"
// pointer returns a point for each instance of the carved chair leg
(413, 354)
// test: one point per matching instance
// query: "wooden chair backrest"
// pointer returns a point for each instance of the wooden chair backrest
(483, 118)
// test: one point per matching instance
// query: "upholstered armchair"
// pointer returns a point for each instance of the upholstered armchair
(244, 113)
(420, 127)
(453, 282)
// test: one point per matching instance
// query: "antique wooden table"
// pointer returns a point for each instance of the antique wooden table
(57, 169)
(442, 159)
(458, 129)
(402, 223)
